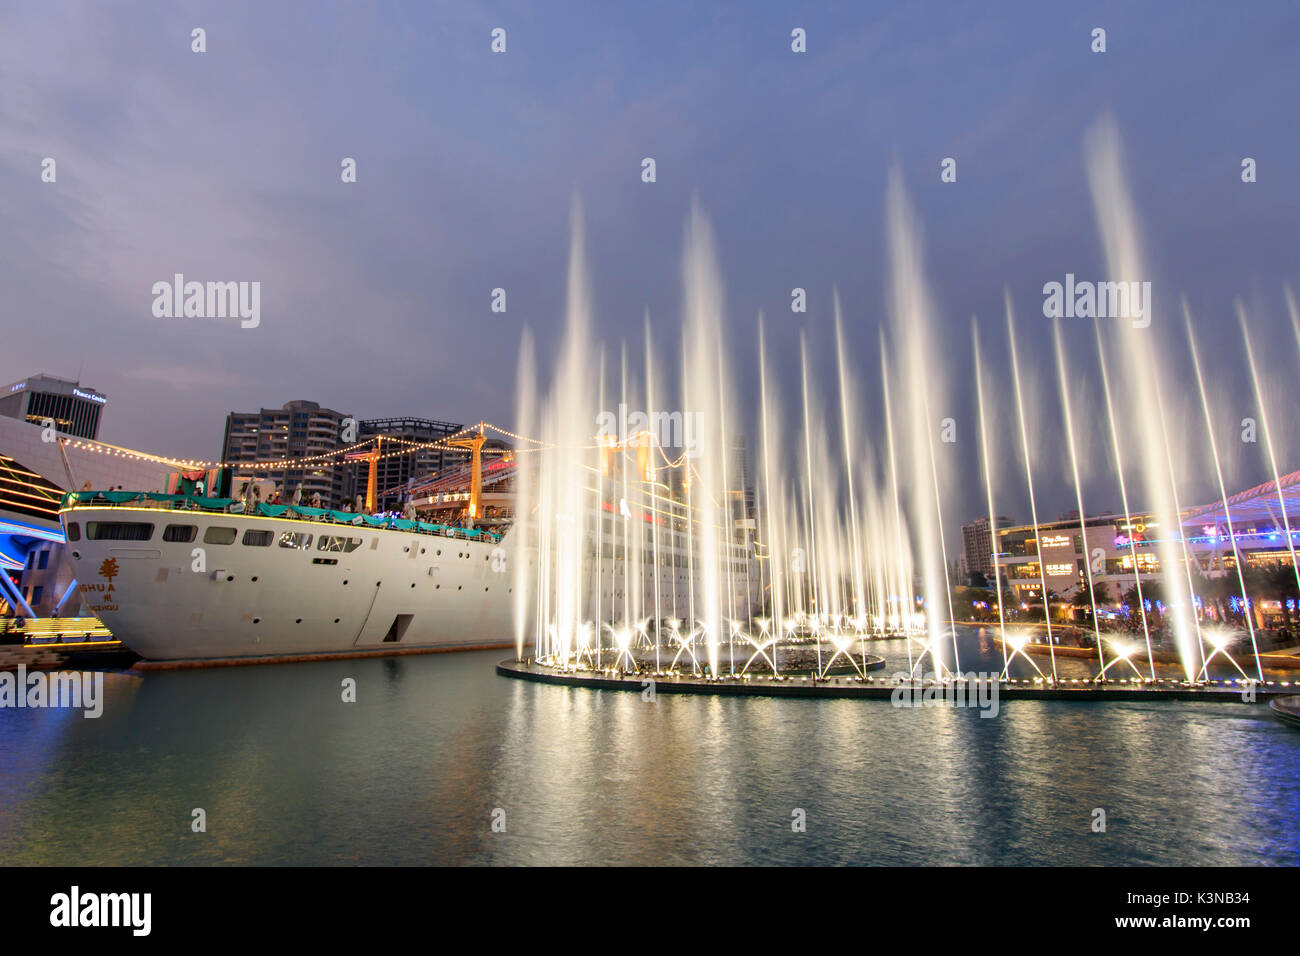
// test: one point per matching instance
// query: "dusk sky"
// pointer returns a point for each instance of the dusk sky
(376, 295)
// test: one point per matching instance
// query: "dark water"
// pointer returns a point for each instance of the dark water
(412, 772)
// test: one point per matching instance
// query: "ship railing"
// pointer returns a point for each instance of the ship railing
(290, 512)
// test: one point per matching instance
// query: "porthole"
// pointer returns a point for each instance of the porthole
(345, 582)
(299, 621)
(254, 577)
(230, 577)
(257, 620)
(336, 620)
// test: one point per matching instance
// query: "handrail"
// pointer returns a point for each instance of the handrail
(204, 505)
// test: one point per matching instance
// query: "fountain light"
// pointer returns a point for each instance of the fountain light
(685, 645)
(1123, 651)
(622, 641)
(1018, 640)
(841, 643)
(1218, 640)
(584, 634)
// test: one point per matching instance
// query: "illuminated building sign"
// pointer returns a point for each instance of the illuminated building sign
(98, 399)
(1056, 541)
(19, 387)
(1056, 570)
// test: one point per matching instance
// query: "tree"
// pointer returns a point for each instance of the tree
(1282, 584)
(1152, 593)
(1100, 593)
(1217, 591)
(1260, 587)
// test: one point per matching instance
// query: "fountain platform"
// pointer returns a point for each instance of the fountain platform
(883, 688)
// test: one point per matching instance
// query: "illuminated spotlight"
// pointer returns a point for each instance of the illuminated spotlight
(584, 633)
(1219, 641)
(1018, 641)
(623, 640)
(685, 645)
(841, 644)
(760, 645)
(1124, 652)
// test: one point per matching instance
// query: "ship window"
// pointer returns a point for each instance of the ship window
(119, 530)
(294, 539)
(180, 532)
(258, 539)
(74, 531)
(218, 535)
(334, 542)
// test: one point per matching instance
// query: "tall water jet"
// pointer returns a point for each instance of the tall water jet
(1182, 538)
(703, 316)
(988, 485)
(524, 531)
(1078, 489)
(1223, 490)
(912, 315)
(774, 520)
(1293, 311)
(810, 541)
(659, 504)
(608, 443)
(1029, 478)
(847, 430)
(1123, 494)
(560, 478)
(1117, 223)
(905, 600)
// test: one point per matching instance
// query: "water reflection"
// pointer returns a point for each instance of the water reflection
(412, 772)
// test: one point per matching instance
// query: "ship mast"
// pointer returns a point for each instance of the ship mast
(372, 481)
(475, 444)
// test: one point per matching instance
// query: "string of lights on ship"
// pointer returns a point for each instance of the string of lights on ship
(324, 460)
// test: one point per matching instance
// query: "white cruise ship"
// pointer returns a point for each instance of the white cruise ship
(181, 577)
(185, 582)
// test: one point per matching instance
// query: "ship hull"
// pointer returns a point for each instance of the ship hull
(199, 598)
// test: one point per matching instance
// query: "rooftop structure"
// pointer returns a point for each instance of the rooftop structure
(72, 408)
